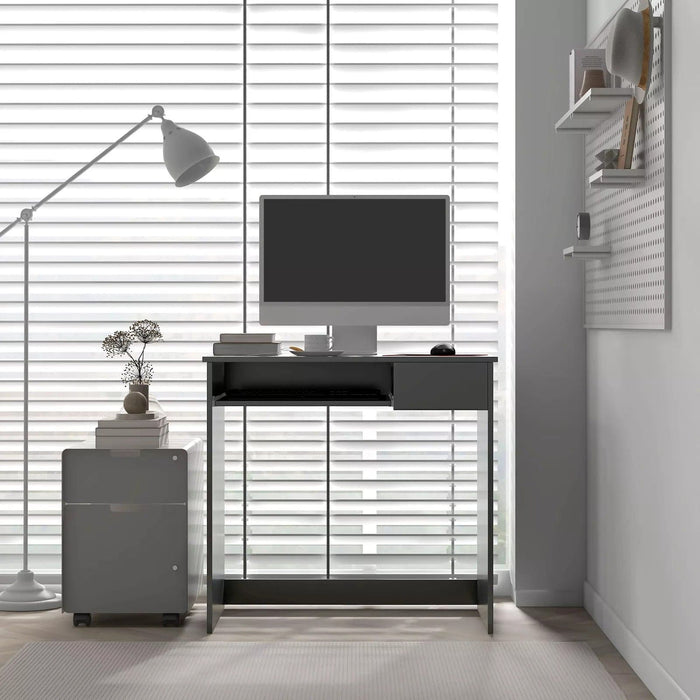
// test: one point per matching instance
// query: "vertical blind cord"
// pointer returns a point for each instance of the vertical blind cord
(328, 330)
(452, 248)
(244, 417)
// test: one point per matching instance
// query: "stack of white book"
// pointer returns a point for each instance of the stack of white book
(247, 344)
(127, 431)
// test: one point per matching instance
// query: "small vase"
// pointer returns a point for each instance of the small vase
(141, 388)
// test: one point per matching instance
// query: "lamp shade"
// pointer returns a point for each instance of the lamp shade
(188, 157)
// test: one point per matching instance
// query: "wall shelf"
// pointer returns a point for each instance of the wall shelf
(592, 109)
(586, 251)
(618, 177)
(629, 209)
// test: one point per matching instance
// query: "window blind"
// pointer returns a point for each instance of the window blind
(297, 98)
(385, 98)
(119, 244)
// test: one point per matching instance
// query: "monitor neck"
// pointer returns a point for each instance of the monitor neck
(355, 340)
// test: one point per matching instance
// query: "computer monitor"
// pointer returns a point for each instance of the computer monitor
(354, 262)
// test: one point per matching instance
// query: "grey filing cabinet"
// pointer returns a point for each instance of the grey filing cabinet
(133, 530)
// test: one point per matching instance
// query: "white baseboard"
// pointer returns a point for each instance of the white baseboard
(545, 597)
(643, 662)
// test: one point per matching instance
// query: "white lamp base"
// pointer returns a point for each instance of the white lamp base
(27, 594)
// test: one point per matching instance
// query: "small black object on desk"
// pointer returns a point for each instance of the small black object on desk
(443, 349)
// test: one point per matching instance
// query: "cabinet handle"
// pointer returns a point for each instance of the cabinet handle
(129, 507)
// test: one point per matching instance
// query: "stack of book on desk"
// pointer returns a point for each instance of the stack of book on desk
(127, 431)
(247, 344)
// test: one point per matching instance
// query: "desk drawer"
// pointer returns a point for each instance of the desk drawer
(441, 386)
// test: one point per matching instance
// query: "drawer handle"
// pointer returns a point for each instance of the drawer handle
(129, 507)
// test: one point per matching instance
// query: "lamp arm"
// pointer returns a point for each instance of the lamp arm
(26, 214)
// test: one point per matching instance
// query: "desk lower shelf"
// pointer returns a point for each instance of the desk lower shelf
(351, 591)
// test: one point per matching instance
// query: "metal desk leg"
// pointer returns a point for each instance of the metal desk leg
(484, 486)
(215, 511)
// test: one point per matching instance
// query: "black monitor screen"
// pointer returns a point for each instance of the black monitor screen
(355, 250)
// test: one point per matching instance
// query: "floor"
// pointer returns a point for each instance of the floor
(511, 624)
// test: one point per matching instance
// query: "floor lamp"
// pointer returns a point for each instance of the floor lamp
(188, 158)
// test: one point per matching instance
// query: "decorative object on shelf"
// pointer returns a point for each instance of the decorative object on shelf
(630, 47)
(135, 402)
(247, 344)
(137, 372)
(592, 78)
(140, 389)
(583, 226)
(127, 417)
(628, 54)
(188, 158)
(584, 250)
(581, 61)
(136, 429)
(608, 158)
(247, 338)
(629, 133)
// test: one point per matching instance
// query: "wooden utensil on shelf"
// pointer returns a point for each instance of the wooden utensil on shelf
(629, 132)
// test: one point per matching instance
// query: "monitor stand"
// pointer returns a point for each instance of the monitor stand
(355, 340)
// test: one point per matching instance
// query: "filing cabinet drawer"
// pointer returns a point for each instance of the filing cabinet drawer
(122, 476)
(444, 385)
(125, 558)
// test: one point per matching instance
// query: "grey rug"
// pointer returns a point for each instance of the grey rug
(306, 671)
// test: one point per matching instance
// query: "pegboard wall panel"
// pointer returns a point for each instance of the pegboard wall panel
(631, 288)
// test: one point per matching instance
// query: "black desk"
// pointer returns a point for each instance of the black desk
(404, 382)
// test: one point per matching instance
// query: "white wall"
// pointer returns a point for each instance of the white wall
(550, 445)
(598, 12)
(644, 433)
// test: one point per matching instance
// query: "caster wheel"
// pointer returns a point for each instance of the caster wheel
(82, 619)
(172, 619)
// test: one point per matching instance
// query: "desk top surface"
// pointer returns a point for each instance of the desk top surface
(352, 358)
